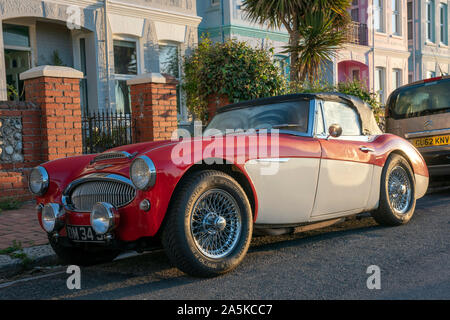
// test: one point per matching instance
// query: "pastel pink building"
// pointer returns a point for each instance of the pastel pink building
(377, 52)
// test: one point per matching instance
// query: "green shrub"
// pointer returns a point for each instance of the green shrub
(355, 88)
(232, 69)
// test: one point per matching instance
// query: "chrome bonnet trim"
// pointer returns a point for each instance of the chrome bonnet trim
(65, 198)
(426, 133)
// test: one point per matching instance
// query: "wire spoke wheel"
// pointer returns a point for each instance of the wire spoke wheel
(216, 223)
(399, 190)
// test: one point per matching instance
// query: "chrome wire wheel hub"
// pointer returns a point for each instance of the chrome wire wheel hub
(399, 190)
(216, 223)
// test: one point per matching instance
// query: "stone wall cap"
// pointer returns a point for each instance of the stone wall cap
(147, 78)
(51, 71)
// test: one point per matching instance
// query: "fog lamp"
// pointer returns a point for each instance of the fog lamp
(52, 217)
(104, 217)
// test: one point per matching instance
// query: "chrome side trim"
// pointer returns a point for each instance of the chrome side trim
(65, 198)
(426, 133)
(271, 160)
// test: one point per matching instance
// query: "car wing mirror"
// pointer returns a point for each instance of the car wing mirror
(334, 131)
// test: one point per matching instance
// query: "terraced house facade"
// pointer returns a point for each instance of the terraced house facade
(109, 41)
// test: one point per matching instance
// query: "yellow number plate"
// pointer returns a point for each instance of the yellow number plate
(431, 141)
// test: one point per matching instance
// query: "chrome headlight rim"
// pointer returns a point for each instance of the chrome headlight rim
(44, 183)
(111, 215)
(151, 169)
(56, 215)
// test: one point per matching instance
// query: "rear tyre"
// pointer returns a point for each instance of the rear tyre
(209, 225)
(80, 256)
(397, 193)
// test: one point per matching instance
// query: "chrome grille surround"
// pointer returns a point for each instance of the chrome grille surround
(82, 194)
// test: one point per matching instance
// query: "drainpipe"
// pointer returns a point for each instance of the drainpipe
(222, 10)
(108, 85)
(373, 45)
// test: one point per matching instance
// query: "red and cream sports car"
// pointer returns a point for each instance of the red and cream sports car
(267, 165)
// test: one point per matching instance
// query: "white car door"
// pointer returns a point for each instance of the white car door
(345, 175)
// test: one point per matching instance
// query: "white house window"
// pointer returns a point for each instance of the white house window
(430, 20)
(16, 39)
(282, 62)
(443, 10)
(170, 63)
(125, 67)
(380, 83)
(410, 20)
(396, 21)
(396, 78)
(378, 15)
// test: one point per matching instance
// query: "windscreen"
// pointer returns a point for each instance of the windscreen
(421, 100)
(290, 115)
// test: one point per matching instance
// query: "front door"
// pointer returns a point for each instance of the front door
(345, 176)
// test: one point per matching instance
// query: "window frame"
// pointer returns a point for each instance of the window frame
(430, 20)
(396, 16)
(321, 105)
(379, 9)
(397, 74)
(382, 83)
(124, 77)
(120, 76)
(410, 20)
(443, 23)
(183, 115)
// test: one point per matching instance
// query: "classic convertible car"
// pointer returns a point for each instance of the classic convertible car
(297, 160)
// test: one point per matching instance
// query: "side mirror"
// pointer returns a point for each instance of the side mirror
(335, 130)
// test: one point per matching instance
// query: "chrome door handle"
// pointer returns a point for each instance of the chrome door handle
(366, 149)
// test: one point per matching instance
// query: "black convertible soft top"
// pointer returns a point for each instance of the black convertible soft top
(368, 123)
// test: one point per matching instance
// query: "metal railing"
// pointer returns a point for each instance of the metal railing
(358, 33)
(104, 130)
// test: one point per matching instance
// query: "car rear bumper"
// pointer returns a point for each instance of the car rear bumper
(437, 159)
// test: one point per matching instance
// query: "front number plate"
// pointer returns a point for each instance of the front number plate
(84, 234)
(431, 141)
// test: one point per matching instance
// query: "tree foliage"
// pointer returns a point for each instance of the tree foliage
(326, 19)
(232, 69)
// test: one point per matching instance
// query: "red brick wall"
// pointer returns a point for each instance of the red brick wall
(215, 103)
(51, 129)
(154, 110)
(14, 175)
(59, 100)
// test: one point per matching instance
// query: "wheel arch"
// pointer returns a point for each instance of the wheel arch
(233, 170)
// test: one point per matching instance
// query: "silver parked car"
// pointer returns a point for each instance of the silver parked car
(420, 112)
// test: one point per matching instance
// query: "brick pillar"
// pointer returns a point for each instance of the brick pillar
(153, 106)
(215, 102)
(56, 90)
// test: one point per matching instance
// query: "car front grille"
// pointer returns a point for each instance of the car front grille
(86, 194)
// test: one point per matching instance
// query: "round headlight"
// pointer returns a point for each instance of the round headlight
(143, 173)
(103, 217)
(38, 181)
(51, 217)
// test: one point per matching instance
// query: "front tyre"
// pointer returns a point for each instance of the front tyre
(397, 193)
(209, 225)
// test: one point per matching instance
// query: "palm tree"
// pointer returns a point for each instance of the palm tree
(292, 14)
(320, 38)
